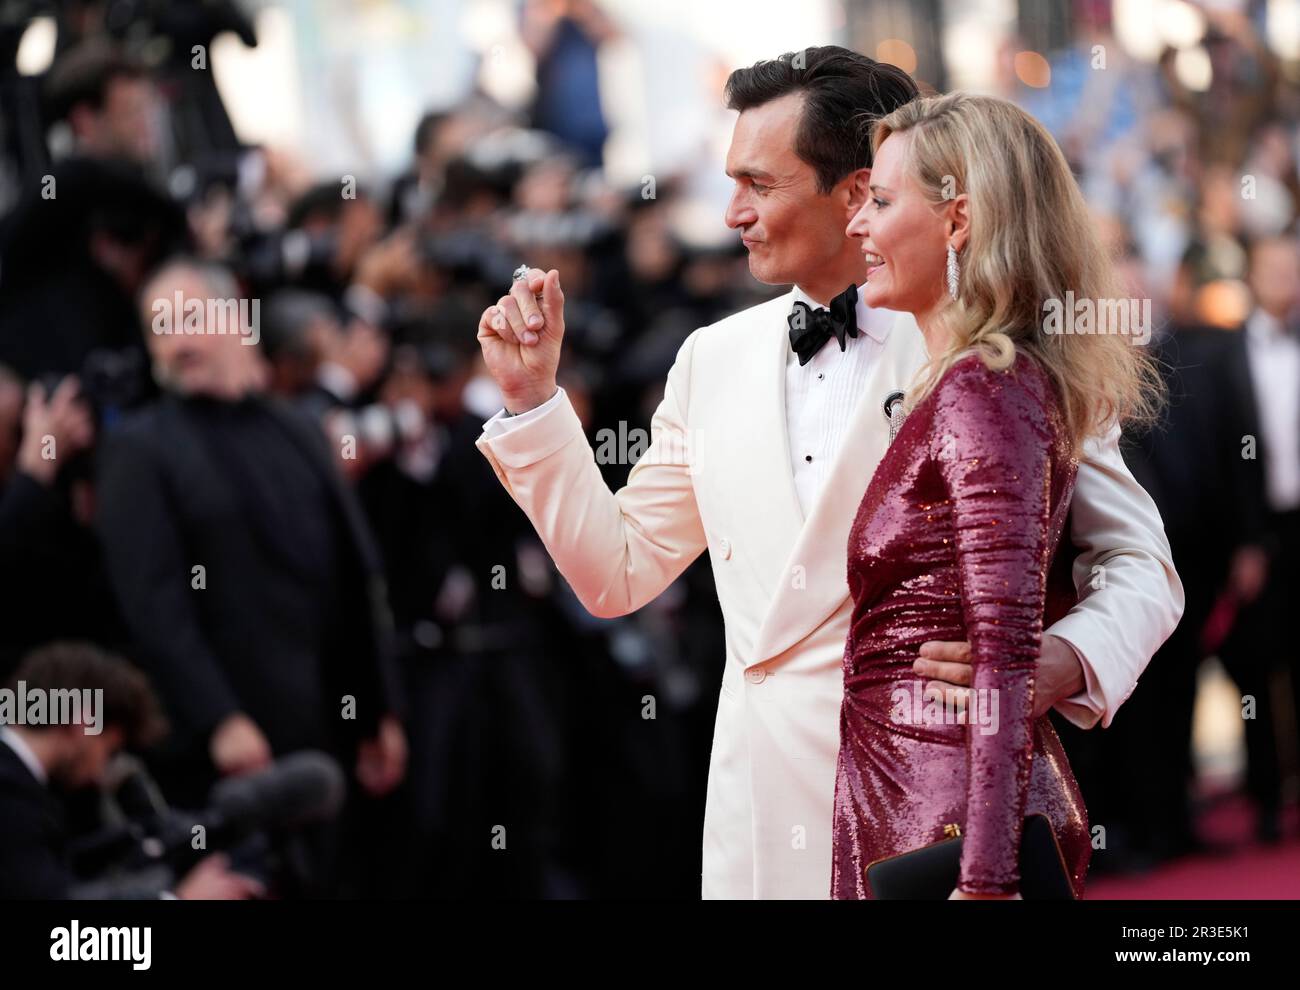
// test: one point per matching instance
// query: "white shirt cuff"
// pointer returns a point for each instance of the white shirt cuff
(501, 423)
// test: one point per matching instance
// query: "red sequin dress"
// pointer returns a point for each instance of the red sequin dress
(952, 541)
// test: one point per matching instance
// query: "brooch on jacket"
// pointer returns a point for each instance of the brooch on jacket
(894, 413)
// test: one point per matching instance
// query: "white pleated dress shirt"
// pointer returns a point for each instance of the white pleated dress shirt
(821, 395)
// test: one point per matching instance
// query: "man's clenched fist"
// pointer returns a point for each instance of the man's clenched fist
(521, 336)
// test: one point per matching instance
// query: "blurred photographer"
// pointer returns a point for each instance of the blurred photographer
(53, 584)
(79, 241)
(38, 760)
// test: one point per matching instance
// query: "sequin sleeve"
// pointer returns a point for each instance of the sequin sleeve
(992, 445)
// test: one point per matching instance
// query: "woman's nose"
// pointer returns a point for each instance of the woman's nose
(858, 224)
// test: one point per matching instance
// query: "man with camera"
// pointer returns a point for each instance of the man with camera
(36, 760)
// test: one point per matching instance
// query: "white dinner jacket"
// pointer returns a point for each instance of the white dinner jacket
(717, 475)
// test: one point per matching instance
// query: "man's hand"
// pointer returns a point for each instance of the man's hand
(1248, 573)
(381, 762)
(520, 338)
(1059, 673)
(212, 880)
(238, 746)
(55, 429)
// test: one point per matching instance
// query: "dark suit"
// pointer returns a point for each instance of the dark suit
(1211, 499)
(264, 635)
(32, 836)
(35, 843)
(488, 682)
(53, 583)
(1262, 637)
(1191, 464)
(1210, 496)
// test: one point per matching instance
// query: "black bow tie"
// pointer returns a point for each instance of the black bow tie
(810, 328)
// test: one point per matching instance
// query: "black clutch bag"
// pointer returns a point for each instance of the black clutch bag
(931, 872)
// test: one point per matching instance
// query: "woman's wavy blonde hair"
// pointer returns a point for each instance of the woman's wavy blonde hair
(1031, 239)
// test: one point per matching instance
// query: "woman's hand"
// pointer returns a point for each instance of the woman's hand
(961, 895)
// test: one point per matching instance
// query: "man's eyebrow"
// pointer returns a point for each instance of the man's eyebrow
(749, 173)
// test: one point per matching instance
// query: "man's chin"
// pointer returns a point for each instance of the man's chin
(766, 273)
(185, 386)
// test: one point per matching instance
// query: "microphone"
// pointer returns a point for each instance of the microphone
(302, 788)
(142, 832)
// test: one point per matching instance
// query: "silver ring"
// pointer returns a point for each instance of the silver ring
(520, 274)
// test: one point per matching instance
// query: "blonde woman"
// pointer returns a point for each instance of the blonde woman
(975, 226)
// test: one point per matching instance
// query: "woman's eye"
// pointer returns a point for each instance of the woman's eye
(880, 203)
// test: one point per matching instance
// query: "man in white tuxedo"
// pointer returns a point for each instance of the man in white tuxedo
(762, 456)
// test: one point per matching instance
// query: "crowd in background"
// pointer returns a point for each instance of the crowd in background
(265, 530)
(1197, 189)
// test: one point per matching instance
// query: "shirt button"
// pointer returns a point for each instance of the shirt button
(808, 458)
(820, 375)
(724, 548)
(756, 675)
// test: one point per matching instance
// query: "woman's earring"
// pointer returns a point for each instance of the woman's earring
(953, 272)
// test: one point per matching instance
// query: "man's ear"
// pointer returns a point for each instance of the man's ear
(958, 221)
(859, 188)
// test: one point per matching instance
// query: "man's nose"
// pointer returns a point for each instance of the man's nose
(739, 213)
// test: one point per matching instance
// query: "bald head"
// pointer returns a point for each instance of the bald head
(196, 327)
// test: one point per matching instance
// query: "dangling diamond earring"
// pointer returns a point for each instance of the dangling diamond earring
(953, 272)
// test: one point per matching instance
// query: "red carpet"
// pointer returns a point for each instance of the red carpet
(1248, 870)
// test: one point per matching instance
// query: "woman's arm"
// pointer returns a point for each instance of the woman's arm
(992, 445)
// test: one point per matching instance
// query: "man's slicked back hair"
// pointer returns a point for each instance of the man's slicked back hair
(844, 92)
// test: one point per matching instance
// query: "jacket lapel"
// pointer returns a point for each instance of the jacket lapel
(813, 584)
(752, 460)
(1243, 391)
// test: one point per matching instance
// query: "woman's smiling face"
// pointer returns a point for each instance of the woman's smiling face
(902, 234)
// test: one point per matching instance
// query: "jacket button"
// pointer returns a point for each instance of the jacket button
(756, 675)
(724, 548)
